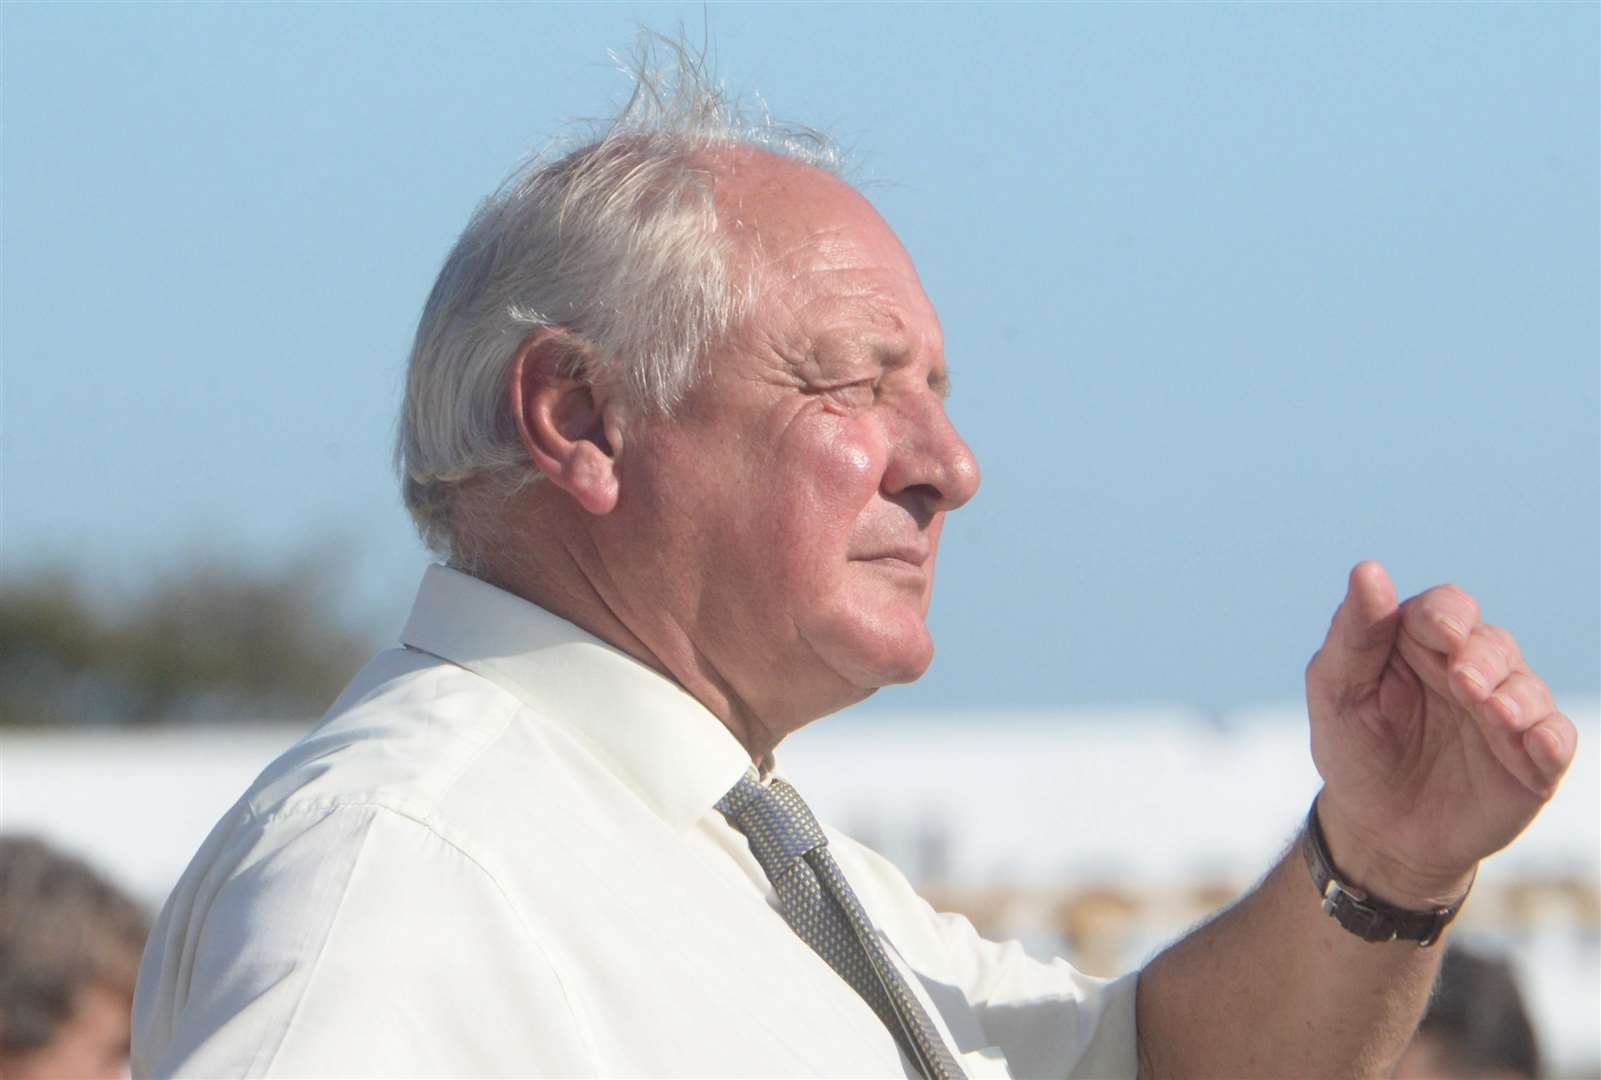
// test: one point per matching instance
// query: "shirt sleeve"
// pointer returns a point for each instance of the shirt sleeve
(1045, 1018)
(357, 941)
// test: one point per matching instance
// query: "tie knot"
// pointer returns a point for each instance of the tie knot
(777, 824)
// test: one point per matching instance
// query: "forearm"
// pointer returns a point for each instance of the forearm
(1273, 987)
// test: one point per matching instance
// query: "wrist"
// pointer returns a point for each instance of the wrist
(1368, 862)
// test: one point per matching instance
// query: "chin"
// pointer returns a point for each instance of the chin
(910, 664)
(884, 653)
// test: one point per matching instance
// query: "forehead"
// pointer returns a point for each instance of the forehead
(821, 256)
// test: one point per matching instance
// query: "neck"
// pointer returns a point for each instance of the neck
(570, 577)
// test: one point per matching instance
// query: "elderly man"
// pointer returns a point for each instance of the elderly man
(675, 419)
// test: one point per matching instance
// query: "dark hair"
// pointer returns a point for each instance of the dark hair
(62, 928)
(1477, 1019)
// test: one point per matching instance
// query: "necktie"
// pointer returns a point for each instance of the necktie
(820, 906)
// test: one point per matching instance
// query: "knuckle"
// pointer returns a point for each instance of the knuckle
(1534, 690)
(1492, 646)
(1530, 694)
(1504, 640)
(1514, 687)
(1453, 597)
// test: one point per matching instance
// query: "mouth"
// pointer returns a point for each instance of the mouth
(916, 554)
(908, 560)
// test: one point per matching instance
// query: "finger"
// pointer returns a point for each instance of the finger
(1363, 630)
(1479, 666)
(1504, 719)
(1508, 643)
(1509, 748)
(1537, 746)
(1441, 618)
(1519, 702)
(1551, 744)
(1429, 666)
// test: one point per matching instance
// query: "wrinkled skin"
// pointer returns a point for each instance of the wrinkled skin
(1436, 742)
(771, 545)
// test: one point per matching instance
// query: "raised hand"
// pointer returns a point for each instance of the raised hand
(1436, 743)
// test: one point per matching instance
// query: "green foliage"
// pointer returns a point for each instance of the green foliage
(208, 641)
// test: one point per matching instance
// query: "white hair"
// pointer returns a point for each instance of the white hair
(617, 244)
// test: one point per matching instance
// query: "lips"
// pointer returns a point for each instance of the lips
(915, 556)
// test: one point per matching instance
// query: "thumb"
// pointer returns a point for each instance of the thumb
(1364, 629)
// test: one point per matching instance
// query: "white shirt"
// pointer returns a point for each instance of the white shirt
(499, 854)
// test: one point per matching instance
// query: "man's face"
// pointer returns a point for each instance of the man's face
(798, 496)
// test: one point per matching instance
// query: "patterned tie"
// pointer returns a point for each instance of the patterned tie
(820, 906)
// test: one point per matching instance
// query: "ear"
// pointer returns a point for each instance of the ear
(573, 433)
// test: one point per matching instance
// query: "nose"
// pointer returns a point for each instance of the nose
(929, 459)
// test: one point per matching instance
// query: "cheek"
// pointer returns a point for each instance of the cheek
(849, 469)
(839, 473)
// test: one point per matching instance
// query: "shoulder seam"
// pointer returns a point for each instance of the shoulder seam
(428, 826)
(300, 1001)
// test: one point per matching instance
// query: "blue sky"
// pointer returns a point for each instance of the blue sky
(1234, 296)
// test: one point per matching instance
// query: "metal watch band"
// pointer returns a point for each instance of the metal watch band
(1368, 918)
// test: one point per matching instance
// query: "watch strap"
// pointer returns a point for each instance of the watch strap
(1366, 916)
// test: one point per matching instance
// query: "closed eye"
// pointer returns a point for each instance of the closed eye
(853, 395)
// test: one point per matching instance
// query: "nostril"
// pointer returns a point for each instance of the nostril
(927, 495)
(921, 501)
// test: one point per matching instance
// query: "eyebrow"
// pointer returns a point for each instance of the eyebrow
(898, 354)
(893, 351)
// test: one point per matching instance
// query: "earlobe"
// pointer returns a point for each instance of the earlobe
(571, 433)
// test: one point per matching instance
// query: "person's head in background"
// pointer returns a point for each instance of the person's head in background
(1476, 1027)
(70, 943)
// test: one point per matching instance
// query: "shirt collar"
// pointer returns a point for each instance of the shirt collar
(677, 756)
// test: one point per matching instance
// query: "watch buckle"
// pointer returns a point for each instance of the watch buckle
(1333, 889)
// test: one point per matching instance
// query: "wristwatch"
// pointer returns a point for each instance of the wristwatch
(1366, 917)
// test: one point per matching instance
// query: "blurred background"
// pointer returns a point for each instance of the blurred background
(1234, 296)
